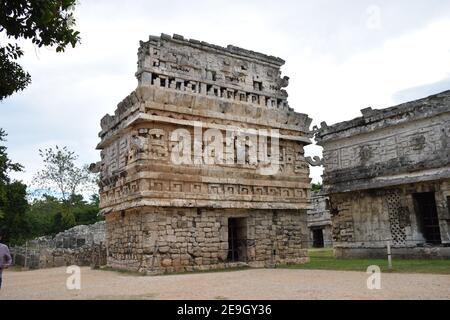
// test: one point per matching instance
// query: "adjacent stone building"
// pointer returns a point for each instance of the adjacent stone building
(168, 209)
(387, 174)
(319, 221)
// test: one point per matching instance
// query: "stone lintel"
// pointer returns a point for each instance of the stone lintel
(179, 203)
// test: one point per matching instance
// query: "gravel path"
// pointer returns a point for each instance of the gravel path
(246, 284)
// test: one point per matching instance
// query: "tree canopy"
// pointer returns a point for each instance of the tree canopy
(49, 215)
(316, 186)
(21, 219)
(61, 175)
(62, 205)
(6, 164)
(13, 203)
(45, 22)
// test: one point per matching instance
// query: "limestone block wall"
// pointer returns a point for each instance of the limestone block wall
(83, 245)
(195, 86)
(387, 174)
(200, 67)
(198, 102)
(319, 217)
(366, 219)
(410, 143)
(163, 240)
(385, 147)
(152, 175)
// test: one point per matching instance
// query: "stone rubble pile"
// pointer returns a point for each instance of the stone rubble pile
(82, 245)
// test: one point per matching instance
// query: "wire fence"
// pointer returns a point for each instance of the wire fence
(84, 251)
(35, 255)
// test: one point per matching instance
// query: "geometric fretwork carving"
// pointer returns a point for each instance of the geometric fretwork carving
(396, 219)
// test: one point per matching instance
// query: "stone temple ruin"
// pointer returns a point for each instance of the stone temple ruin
(164, 214)
(82, 245)
(387, 174)
(319, 221)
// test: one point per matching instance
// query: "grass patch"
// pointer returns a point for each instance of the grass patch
(323, 259)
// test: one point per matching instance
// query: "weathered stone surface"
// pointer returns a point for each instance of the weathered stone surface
(280, 238)
(381, 168)
(319, 220)
(384, 147)
(185, 209)
(83, 245)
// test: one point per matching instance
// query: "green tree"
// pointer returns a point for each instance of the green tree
(41, 215)
(65, 181)
(62, 176)
(62, 220)
(45, 22)
(13, 203)
(16, 227)
(86, 212)
(46, 215)
(6, 165)
(316, 186)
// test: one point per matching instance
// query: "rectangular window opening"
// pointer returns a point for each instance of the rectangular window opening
(257, 85)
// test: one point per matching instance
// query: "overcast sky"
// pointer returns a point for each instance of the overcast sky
(341, 56)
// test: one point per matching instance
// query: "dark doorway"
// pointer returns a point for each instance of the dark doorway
(318, 238)
(427, 217)
(237, 239)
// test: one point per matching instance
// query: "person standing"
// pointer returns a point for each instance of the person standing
(5, 258)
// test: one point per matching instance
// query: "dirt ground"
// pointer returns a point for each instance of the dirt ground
(244, 284)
